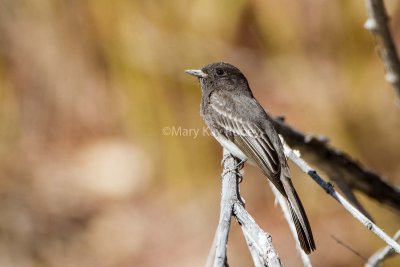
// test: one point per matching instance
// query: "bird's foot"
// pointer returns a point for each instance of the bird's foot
(240, 165)
(226, 156)
(236, 172)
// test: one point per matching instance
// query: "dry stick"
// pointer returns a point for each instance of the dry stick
(228, 197)
(286, 213)
(256, 259)
(338, 197)
(379, 257)
(258, 241)
(377, 24)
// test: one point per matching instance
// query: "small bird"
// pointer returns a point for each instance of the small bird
(241, 125)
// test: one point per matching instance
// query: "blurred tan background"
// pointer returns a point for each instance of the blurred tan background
(90, 177)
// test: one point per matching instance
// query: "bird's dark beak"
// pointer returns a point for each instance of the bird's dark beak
(197, 73)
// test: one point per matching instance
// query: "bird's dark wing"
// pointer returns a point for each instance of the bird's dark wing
(238, 125)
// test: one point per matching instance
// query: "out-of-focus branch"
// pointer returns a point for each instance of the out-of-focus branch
(381, 255)
(340, 167)
(377, 23)
(339, 198)
(286, 213)
(259, 242)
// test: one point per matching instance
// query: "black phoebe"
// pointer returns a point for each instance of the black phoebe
(241, 125)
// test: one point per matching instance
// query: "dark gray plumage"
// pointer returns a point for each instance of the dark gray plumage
(241, 125)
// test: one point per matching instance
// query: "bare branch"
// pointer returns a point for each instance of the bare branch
(377, 23)
(378, 258)
(228, 197)
(286, 213)
(339, 166)
(339, 198)
(259, 242)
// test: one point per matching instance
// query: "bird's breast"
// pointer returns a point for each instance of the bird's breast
(230, 146)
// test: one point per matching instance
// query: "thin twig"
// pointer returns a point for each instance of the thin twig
(339, 166)
(379, 257)
(286, 213)
(349, 248)
(338, 197)
(377, 23)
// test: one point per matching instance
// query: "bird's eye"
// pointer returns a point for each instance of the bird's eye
(220, 72)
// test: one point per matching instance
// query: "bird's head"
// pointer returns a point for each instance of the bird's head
(220, 76)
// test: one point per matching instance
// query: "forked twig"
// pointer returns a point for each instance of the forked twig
(258, 241)
(379, 257)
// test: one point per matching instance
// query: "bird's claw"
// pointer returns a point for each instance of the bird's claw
(225, 157)
(240, 165)
(234, 171)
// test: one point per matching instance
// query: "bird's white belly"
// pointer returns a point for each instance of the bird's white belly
(230, 146)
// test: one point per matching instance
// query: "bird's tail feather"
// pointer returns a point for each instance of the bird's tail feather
(300, 221)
